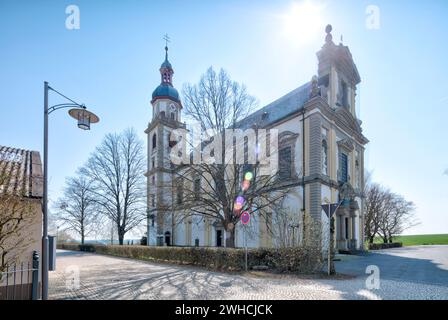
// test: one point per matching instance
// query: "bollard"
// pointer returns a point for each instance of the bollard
(35, 277)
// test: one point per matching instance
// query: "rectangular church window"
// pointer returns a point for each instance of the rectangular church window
(344, 95)
(285, 163)
(343, 167)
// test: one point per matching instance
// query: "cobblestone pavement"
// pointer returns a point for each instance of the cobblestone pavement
(105, 277)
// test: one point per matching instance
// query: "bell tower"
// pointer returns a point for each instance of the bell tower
(338, 75)
(166, 117)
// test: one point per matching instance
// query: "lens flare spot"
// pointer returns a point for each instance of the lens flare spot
(246, 185)
(248, 176)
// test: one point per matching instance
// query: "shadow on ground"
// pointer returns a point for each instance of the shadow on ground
(405, 274)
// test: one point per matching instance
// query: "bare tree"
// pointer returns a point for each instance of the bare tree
(116, 169)
(216, 102)
(387, 214)
(374, 195)
(285, 229)
(77, 209)
(398, 215)
(222, 190)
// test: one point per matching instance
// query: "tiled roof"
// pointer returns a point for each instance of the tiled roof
(20, 172)
(280, 108)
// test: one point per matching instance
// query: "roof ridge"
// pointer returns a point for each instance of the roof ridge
(285, 103)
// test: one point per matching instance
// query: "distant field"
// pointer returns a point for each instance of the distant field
(422, 239)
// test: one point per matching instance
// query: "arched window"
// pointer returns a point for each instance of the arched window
(154, 141)
(324, 157)
(246, 149)
(180, 190)
(172, 116)
(197, 187)
(166, 77)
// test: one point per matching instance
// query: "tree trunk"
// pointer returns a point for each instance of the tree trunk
(120, 236)
(230, 238)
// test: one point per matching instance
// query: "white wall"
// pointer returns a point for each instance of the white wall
(197, 230)
(252, 230)
(179, 238)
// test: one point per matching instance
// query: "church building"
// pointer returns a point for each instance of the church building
(320, 135)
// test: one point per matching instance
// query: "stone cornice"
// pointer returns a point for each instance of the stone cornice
(167, 98)
(341, 117)
(346, 144)
(166, 122)
(155, 170)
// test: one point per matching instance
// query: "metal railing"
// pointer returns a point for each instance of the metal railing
(21, 281)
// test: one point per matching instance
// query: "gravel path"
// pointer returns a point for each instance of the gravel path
(92, 276)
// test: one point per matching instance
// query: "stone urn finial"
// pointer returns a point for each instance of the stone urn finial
(329, 37)
(315, 90)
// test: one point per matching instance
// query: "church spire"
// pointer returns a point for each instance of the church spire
(166, 88)
(166, 70)
(167, 39)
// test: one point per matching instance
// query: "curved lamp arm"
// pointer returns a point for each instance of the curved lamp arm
(64, 105)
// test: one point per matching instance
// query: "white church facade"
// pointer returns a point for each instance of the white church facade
(320, 135)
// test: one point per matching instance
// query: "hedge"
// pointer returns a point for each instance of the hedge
(298, 259)
(380, 246)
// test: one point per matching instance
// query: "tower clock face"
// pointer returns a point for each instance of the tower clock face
(173, 107)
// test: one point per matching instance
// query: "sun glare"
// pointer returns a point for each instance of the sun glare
(303, 22)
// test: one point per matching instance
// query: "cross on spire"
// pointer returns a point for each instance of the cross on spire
(167, 39)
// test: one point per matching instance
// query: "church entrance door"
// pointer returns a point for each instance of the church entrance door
(168, 238)
(219, 238)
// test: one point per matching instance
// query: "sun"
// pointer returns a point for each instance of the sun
(303, 22)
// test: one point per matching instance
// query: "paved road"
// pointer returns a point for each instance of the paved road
(406, 273)
(419, 264)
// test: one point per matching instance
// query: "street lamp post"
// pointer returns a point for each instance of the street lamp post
(84, 118)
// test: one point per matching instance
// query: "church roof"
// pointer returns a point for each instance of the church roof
(277, 110)
(166, 64)
(165, 91)
(20, 172)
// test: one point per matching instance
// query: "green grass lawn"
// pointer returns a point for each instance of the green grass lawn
(419, 240)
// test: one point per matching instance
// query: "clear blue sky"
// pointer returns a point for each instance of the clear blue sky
(111, 64)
